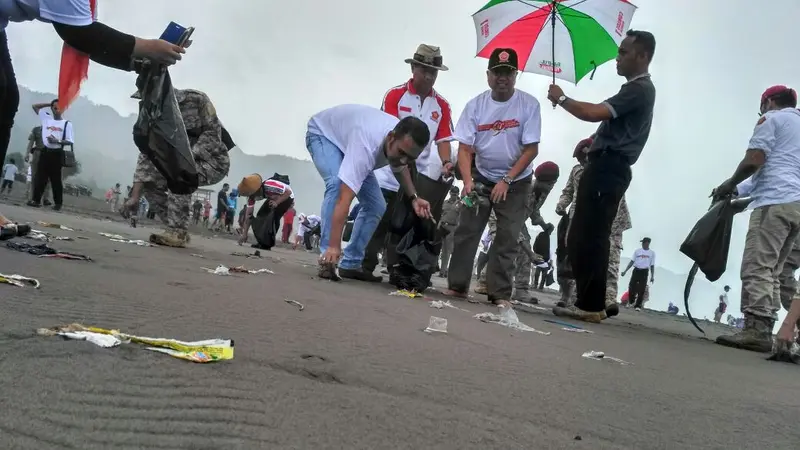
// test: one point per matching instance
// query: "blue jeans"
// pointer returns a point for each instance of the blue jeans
(328, 158)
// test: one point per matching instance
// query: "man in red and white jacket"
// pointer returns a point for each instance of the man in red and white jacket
(417, 98)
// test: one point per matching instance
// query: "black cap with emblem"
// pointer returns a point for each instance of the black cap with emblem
(503, 57)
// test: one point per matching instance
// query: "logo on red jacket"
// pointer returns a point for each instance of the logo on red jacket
(435, 116)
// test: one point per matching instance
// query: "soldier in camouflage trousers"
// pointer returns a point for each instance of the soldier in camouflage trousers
(523, 265)
(481, 288)
(622, 222)
(211, 157)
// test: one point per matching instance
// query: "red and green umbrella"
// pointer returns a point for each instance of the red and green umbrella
(565, 39)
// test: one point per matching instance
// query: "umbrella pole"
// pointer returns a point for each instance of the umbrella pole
(553, 44)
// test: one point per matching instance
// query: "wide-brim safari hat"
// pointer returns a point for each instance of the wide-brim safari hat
(428, 56)
(250, 185)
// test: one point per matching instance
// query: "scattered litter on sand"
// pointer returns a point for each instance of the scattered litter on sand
(295, 303)
(436, 325)
(54, 225)
(568, 326)
(405, 293)
(39, 235)
(69, 256)
(600, 356)
(138, 242)
(220, 270)
(254, 255)
(529, 305)
(19, 280)
(43, 251)
(507, 318)
(112, 236)
(242, 269)
(439, 304)
(223, 270)
(577, 330)
(210, 350)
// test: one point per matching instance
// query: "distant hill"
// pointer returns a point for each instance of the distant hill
(105, 148)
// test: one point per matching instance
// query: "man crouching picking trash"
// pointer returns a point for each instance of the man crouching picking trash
(347, 143)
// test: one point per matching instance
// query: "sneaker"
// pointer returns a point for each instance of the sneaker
(756, 335)
(171, 238)
(637, 309)
(33, 204)
(47, 203)
(612, 310)
(359, 274)
(56, 207)
(481, 288)
(524, 296)
(573, 312)
(328, 272)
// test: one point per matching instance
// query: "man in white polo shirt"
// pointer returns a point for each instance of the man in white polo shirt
(347, 143)
(417, 98)
(643, 262)
(501, 129)
(773, 159)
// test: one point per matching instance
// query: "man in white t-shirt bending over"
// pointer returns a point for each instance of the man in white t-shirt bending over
(643, 262)
(501, 129)
(347, 143)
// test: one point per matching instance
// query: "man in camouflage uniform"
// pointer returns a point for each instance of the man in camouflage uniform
(211, 157)
(481, 288)
(35, 148)
(447, 225)
(546, 177)
(622, 222)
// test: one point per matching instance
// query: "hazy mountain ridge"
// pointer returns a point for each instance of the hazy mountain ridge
(105, 148)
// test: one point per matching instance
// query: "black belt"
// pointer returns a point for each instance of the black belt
(607, 153)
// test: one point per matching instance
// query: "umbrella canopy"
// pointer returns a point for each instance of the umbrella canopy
(586, 33)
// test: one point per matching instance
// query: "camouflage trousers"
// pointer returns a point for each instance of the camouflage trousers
(522, 263)
(173, 209)
(612, 275)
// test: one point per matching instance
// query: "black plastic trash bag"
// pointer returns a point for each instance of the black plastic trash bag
(417, 259)
(708, 242)
(348, 231)
(159, 132)
(266, 222)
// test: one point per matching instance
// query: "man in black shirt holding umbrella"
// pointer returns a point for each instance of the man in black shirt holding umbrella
(625, 126)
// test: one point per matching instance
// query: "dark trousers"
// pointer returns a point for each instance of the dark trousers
(267, 222)
(377, 243)
(317, 230)
(500, 266)
(9, 96)
(603, 184)
(435, 192)
(637, 286)
(49, 169)
(539, 277)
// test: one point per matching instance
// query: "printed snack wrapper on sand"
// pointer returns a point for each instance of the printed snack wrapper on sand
(210, 350)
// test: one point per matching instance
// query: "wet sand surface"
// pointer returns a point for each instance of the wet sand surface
(354, 369)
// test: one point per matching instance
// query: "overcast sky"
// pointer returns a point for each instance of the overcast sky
(269, 65)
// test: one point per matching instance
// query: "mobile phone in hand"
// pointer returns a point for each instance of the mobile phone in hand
(177, 34)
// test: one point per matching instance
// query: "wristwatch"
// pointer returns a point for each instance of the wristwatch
(414, 197)
(562, 99)
(507, 180)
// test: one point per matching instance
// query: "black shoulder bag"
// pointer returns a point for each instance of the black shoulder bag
(67, 156)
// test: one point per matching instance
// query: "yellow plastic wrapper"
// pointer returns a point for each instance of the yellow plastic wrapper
(210, 350)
